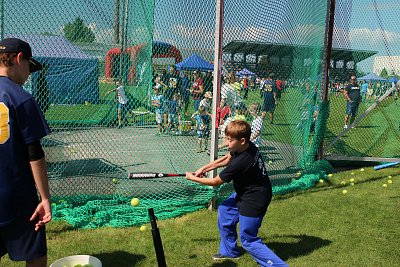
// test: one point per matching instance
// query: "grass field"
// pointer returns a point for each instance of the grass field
(318, 227)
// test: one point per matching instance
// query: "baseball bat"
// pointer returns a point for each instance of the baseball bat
(152, 175)
(386, 165)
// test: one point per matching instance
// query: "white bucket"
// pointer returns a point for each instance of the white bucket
(71, 261)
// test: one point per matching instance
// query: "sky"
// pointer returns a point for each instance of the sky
(190, 25)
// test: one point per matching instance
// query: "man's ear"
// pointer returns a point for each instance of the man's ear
(242, 141)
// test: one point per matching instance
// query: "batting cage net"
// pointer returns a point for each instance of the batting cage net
(127, 87)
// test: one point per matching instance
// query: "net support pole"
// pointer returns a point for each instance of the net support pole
(2, 20)
(219, 25)
(330, 20)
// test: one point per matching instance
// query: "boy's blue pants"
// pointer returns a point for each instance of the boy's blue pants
(228, 218)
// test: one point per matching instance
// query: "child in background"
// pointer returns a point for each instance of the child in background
(223, 111)
(121, 100)
(174, 110)
(203, 122)
(157, 101)
(257, 126)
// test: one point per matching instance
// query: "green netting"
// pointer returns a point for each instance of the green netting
(371, 40)
(88, 45)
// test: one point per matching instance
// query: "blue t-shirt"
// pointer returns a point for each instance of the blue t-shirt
(364, 87)
(174, 107)
(21, 123)
(160, 100)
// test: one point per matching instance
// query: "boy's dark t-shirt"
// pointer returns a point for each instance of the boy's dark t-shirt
(250, 180)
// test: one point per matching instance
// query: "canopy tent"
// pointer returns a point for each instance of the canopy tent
(393, 80)
(371, 77)
(72, 75)
(194, 62)
(245, 72)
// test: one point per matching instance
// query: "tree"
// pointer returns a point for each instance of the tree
(384, 73)
(77, 31)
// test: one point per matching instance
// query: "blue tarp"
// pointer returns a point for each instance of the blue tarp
(393, 80)
(72, 75)
(371, 77)
(194, 62)
(245, 72)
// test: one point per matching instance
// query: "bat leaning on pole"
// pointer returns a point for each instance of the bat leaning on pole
(152, 175)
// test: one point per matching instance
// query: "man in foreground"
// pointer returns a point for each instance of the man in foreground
(22, 163)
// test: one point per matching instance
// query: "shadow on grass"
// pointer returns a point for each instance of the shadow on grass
(119, 258)
(302, 247)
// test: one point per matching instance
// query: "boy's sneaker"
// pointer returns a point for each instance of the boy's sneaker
(219, 256)
(345, 126)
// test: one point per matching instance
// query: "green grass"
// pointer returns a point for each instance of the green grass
(317, 227)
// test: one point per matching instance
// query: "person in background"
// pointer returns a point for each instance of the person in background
(270, 98)
(122, 101)
(364, 88)
(185, 93)
(203, 123)
(257, 126)
(207, 102)
(353, 97)
(24, 188)
(197, 90)
(157, 102)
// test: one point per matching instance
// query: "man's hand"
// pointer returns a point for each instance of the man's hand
(43, 210)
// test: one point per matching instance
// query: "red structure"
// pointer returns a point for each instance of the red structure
(131, 54)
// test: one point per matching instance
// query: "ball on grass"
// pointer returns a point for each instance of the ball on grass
(362, 169)
(352, 173)
(384, 185)
(343, 183)
(321, 181)
(330, 175)
(390, 182)
(115, 180)
(142, 228)
(135, 202)
(344, 192)
(390, 177)
(298, 174)
(270, 162)
(351, 184)
(352, 180)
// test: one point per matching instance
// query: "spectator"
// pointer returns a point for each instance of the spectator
(122, 101)
(197, 90)
(353, 97)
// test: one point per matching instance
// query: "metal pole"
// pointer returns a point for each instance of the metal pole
(157, 239)
(2, 20)
(121, 58)
(219, 26)
(330, 20)
(116, 22)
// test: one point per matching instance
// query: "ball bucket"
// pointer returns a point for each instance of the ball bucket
(83, 260)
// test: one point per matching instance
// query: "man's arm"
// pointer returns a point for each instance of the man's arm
(346, 95)
(43, 210)
(200, 90)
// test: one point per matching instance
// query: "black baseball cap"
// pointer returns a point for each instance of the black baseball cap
(15, 45)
